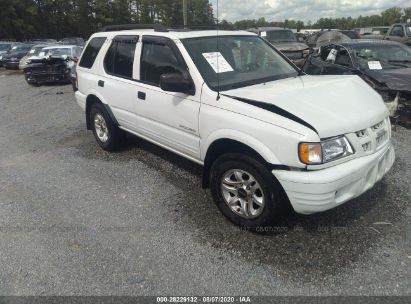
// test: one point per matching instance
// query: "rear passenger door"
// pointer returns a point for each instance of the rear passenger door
(117, 84)
(168, 118)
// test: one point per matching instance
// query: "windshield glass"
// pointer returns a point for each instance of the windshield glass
(280, 36)
(4, 47)
(59, 52)
(21, 48)
(385, 57)
(239, 61)
(36, 50)
(408, 29)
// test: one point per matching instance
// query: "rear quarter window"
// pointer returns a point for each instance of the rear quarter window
(91, 52)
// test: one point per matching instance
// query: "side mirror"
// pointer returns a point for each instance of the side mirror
(176, 82)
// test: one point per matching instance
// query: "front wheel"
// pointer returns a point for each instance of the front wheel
(246, 192)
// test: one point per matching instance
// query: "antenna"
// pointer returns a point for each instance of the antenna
(218, 65)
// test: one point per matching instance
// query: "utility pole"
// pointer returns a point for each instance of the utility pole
(185, 13)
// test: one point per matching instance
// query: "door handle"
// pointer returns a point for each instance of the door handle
(100, 83)
(141, 95)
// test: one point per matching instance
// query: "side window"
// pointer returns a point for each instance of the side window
(397, 31)
(91, 52)
(158, 59)
(120, 56)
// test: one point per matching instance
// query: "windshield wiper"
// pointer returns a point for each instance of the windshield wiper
(400, 61)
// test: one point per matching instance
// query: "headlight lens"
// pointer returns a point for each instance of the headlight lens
(326, 151)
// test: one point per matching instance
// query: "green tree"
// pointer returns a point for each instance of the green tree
(391, 15)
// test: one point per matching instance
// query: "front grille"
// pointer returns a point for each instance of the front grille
(373, 137)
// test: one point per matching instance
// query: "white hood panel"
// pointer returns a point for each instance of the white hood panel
(333, 105)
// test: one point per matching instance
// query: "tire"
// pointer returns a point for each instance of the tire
(32, 82)
(107, 134)
(274, 201)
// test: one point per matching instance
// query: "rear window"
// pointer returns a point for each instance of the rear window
(120, 56)
(91, 52)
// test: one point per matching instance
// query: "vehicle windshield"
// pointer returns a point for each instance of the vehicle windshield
(377, 57)
(36, 50)
(20, 48)
(280, 36)
(4, 47)
(408, 29)
(238, 61)
(58, 52)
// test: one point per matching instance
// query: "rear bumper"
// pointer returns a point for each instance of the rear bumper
(316, 191)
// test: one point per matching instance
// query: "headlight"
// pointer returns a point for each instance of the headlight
(325, 151)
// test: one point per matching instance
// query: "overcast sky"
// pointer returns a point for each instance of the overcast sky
(279, 10)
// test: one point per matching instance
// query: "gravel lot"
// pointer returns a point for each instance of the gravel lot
(75, 220)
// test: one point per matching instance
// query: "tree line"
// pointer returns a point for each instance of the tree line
(386, 18)
(28, 19)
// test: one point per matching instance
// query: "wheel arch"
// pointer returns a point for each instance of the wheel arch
(93, 98)
(243, 144)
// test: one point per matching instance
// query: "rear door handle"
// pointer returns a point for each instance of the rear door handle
(141, 95)
(100, 83)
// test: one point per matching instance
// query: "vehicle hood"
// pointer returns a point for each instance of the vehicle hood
(332, 105)
(290, 46)
(397, 79)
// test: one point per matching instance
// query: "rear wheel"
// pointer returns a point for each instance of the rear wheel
(105, 131)
(246, 192)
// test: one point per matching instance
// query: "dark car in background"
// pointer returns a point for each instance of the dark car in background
(11, 60)
(384, 65)
(351, 34)
(5, 47)
(73, 41)
(54, 64)
(285, 41)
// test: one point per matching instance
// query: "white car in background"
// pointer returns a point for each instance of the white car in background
(32, 54)
(266, 134)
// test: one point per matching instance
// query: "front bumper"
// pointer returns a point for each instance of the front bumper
(316, 191)
(11, 64)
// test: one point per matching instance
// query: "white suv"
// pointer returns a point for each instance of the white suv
(267, 135)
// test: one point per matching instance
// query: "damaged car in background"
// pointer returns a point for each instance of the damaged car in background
(384, 65)
(285, 41)
(32, 54)
(54, 64)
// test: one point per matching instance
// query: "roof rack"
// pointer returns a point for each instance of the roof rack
(162, 28)
(122, 27)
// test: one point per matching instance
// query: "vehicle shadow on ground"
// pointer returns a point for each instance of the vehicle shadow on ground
(330, 241)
